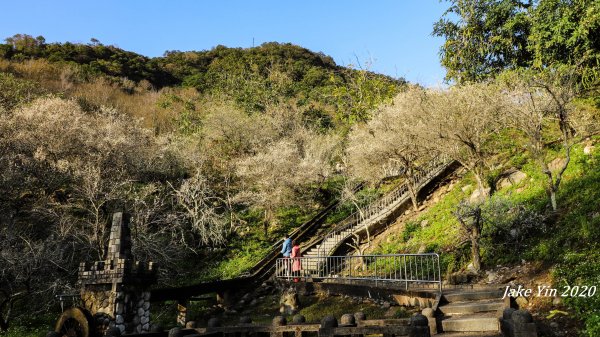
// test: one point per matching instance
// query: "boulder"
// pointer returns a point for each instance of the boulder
(298, 319)
(329, 322)
(512, 179)
(289, 302)
(477, 196)
(279, 321)
(348, 320)
(557, 164)
(360, 316)
(418, 320)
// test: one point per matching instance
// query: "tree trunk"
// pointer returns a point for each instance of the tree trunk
(553, 199)
(475, 236)
(413, 196)
(480, 185)
(475, 254)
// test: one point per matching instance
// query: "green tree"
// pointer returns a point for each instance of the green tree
(483, 37)
(565, 32)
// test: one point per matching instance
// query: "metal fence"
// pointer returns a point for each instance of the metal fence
(408, 269)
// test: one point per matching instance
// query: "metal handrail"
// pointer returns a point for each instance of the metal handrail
(413, 269)
(359, 220)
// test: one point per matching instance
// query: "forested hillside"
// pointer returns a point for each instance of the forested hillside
(218, 153)
(215, 153)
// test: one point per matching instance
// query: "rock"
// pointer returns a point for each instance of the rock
(348, 320)
(146, 306)
(418, 320)
(146, 296)
(588, 149)
(360, 316)
(422, 249)
(471, 269)
(556, 301)
(521, 301)
(512, 179)
(279, 321)
(140, 312)
(246, 296)
(146, 327)
(477, 196)
(556, 164)
(466, 188)
(521, 316)
(289, 302)
(298, 319)
(145, 320)
(491, 276)
(507, 313)
(386, 305)
(253, 302)
(329, 322)
(554, 325)
(119, 319)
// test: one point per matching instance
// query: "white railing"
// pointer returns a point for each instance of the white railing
(382, 206)
(407, 269)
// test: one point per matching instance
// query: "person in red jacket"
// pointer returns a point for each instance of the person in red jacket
(296, 265)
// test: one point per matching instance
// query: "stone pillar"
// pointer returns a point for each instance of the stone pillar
(116, 290)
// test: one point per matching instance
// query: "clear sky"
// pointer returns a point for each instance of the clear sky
(394, 34)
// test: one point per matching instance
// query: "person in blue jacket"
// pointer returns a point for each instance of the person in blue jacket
(286, 250)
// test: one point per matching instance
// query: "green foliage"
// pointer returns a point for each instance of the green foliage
(338, 306)
(16, 91)
(582, 269)
(409, 230)
(483, 38)
(565, 32)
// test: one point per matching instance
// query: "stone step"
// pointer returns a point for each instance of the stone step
(471, 323)
(472, 307)
(473, 295)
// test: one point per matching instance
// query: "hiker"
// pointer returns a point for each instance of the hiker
(296, 264)
(286, 250)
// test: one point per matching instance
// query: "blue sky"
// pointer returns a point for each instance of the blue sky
(394, 35)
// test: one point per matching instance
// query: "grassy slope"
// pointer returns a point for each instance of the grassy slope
(569, 243)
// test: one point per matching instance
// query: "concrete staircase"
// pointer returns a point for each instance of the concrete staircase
(373, 214)
(471, 310)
